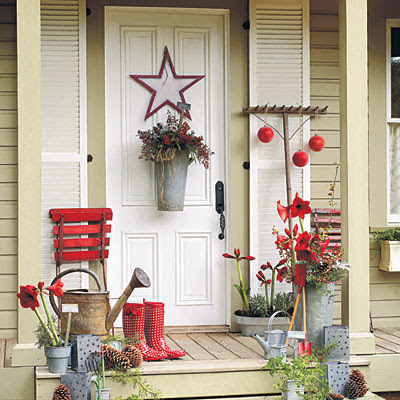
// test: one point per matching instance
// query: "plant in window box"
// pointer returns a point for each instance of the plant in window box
(56, 353)
(389, 241)
(172, 147)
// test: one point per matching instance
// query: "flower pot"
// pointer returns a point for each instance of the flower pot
(390, 256)
(319, 312)
(171, 182)
(105, 393)
(57, 358)
(250, 326)
(293, 390)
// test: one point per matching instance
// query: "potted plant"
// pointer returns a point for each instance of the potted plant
(389, 241)
(57, 355)
(172, 147)
(323, 267)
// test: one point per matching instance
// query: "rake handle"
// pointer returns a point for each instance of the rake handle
(293, 316)
(304, 313)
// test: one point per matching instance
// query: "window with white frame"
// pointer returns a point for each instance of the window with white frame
(393, 118)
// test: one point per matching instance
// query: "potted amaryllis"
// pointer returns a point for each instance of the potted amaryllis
(57, 355)
(323, 267)
(173, 147)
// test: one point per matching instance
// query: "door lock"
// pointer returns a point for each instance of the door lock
(220, 207)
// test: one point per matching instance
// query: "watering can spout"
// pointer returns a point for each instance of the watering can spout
(263, 343)
(139, 279)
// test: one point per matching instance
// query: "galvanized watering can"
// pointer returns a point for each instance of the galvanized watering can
(94, 316)
(274, 343)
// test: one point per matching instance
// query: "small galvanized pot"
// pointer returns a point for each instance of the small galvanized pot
(293, 390)
(105, 393)
(250, 326)
(57, 358)
(171, 182)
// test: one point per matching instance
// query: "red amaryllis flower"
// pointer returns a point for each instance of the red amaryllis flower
(40, 286)
(299, 208)
(236, 252)
(283, 242)
(304, 253)
(266, 266)
(281, 274)
(303, 239)
(295, 230)
(261, 277)
(28, 297)
(226, 255)
(323, 245)
(283, 261)
(282, 211)
(248, 258)
(237, 256)
(56, 289)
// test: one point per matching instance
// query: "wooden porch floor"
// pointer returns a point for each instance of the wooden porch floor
(387, 340)
(6, 348)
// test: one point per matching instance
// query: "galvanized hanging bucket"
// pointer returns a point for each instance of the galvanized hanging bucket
(171, 182)
(319, 312)
(57, 358)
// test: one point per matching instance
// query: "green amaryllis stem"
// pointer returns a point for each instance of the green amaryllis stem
(273, 289)
(53, 342)
(246, 301)
(266, 295)
(301, 225)
(53, 328)
(103, 372)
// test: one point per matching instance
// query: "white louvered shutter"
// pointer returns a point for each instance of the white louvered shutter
(279, 74)
(64, 166)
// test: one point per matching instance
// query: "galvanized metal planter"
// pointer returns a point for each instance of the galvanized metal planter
(171, 182)
(78, 383)
(319, 313)
(250, 326)
(293, 390)
(337, 375)
(57, 358)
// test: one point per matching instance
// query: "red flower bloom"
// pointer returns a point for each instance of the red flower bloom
(40, 286)
(283, 261)
(299, 208)
(324, 245)
(304, 253)
(226, 255)
(248, 258)
(281, 274)
(303, 239)
(28, 297)
(236, 252)
(283, 242)
(261, 277)
(295, 230)
(282, 211)
(266, 266)
(237, 256)
(288, 232)
(56, 289)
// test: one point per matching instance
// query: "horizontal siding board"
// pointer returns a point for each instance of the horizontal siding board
(8, 191)
(8, 14)
(8, 265)
(8, 137)
(324, 23)
(8, 333)
(323, 173)
(385, 291)
(326, 88)
(8, 174)
(8, 49)
(8, 101)
(8, 228)
(8, 209)
(332, 139)
(9, 284)
(8, 119)
(322, 203)
(327, 156)
(8, 83)
(8, 155)
(8, 319)
(8, 246)
(324, 39)
(8, 31)
(385, 308)
(321, 190)
(324, 55)
(8, 301)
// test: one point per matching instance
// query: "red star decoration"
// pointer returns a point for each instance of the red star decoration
(167, 87)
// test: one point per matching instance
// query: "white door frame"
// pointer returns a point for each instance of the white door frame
(110, 10)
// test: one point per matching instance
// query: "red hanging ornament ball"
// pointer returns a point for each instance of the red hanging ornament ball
(300, 158)
(316, 143)
(265, 134)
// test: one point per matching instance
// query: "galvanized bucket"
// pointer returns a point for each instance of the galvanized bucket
(319, 313)
(171, 182)
(57, 358)
(292, 390)
(105, 393)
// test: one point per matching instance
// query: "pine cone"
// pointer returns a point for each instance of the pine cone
(114, 358)
(134, 355)
(358, 378)
(352, 390)
(61, 392)
(336, 396)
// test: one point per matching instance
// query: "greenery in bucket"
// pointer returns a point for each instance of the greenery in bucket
(258, 306)
(393, 235)
(306, 371)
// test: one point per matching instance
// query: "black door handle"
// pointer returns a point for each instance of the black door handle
(220, 207)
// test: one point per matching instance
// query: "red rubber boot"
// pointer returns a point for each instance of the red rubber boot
(154, 329)
(133, 326)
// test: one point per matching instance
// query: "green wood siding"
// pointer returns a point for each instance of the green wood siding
(8, 171)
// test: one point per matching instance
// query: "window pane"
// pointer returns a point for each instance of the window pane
(395, 74)
(394, 168)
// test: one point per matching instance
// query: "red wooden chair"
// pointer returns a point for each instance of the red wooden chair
(68, 223)
(322, 218)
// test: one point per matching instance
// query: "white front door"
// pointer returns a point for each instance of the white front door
(180, 251)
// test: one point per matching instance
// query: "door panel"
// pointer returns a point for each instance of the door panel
(180, 251)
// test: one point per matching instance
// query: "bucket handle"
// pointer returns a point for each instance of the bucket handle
(274, 315)
(70, 271)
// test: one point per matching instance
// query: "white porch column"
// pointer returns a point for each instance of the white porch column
(354, 171)
(29, 171)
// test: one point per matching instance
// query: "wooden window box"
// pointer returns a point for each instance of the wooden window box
(390, 256)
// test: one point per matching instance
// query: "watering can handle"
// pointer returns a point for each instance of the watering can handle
(70, 271)
(273, 316)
